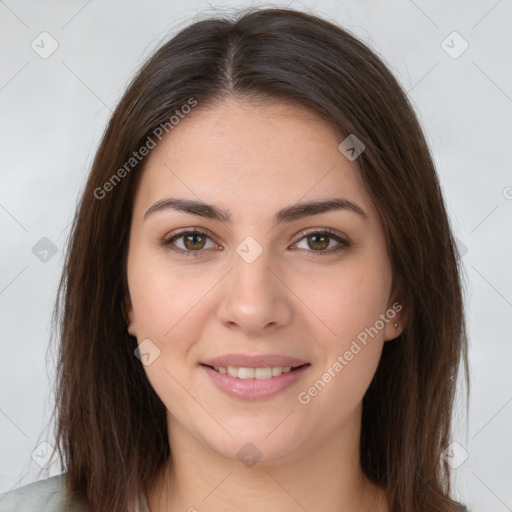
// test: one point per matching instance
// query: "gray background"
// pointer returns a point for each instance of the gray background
(53, 111)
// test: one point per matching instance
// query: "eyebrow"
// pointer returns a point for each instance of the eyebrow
(289, 214)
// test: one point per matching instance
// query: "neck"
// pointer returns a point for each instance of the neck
(325, 477)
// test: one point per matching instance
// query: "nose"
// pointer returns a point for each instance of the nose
(255, 296)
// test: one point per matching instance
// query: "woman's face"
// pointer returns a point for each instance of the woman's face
(263, 286)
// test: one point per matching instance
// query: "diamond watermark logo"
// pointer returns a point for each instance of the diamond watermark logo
(351, 147)
(147, 352)
(249, 249)
(44, 250)
(42, 455)
(249, 455)
(454, 45)
(461, 247)
(455, 455)
(44, 45)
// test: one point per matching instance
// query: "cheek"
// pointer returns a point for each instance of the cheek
(347, 302)
(350, 338)
(161, 294)
(169, 309)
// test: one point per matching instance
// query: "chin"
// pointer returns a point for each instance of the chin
(258, 442)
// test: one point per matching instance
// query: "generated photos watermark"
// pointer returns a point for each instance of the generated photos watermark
(304, 397)
(150, 143)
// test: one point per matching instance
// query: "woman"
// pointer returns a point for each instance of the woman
(261, 305)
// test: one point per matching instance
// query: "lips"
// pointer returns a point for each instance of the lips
(248, 377)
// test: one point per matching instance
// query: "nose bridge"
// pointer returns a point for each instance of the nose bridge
(254, 298)
(251, 274)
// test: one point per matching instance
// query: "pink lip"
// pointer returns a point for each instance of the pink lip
(259, 361)
(254, 389)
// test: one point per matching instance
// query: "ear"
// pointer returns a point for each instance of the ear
(396, 314)
(397, 320)
(129, 315)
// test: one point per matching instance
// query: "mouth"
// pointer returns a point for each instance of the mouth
(255, 383)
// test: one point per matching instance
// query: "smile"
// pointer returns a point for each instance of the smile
(249, 383)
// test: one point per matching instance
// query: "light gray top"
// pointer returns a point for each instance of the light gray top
(49, 495)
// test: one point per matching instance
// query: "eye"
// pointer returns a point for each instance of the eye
(319, 241)
(193, 240)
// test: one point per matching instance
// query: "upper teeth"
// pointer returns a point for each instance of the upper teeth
(253, 373)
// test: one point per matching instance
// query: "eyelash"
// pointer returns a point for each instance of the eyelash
(167, 242)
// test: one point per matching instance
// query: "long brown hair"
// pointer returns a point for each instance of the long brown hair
(111, 426)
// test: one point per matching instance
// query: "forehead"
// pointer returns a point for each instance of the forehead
(243, 155)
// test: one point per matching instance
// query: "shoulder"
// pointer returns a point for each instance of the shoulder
(49, 495)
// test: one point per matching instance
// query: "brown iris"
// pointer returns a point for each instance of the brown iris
(191, 241)
(322, 244)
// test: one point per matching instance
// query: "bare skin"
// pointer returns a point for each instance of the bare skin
(297, 298)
